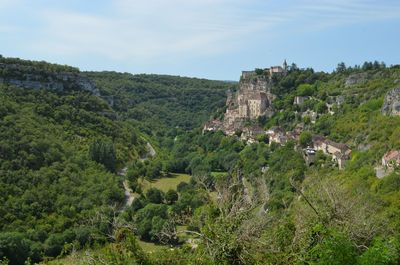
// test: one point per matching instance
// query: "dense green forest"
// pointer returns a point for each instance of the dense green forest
(53, 176)
(60, 152)
(160, 103)
(62, 201)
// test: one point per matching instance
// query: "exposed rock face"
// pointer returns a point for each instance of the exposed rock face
(30, 77)
(252, 100)
(355, 79)
(391, 106)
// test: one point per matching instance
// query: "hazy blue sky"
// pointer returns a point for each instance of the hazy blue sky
(203, 38)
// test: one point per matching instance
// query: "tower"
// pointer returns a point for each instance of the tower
(285, 65)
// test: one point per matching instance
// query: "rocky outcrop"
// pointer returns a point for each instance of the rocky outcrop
(355, 79)
(252, 100)
(391, 105)
(31, 77)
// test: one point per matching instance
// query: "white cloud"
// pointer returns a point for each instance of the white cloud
(153, 30)
(141, 31)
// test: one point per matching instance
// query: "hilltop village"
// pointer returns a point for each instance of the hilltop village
(254, 99)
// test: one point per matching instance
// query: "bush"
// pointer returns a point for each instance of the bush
(334, 248)
(150, 220)
(305, 139)
(171, 196)
(382, 252)
(182, 186)
(155, 195)
(305, 90)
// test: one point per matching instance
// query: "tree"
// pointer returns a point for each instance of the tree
(305, 90)
(259, 71)
(182, 186)
(103, 152)
(15, 247)
(382, 252)
(341, 68)
(153, 170)
(149, 220)
(305, 139)
(171, 196)
(333, 248)
(155, 195)
(321, 107)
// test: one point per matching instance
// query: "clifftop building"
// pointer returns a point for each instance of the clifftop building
(252, 100)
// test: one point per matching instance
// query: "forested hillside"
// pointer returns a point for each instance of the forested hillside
(159, 103)
(68, 143)
(53, 176)
(62, 144)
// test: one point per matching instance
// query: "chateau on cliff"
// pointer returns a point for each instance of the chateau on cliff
(252, 100)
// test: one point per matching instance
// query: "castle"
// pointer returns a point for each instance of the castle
(252, 100)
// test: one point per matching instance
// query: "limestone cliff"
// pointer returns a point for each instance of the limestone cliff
(252, 100)
(27, 76)
(391, 105)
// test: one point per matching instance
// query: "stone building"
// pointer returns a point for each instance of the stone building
(340, 152)
(277, 135)
(252, 100)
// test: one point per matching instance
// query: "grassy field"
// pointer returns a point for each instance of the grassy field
(165, 184)
(82, 257)
(149, 247)
(219, 174)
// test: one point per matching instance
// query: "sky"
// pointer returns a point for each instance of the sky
(214, 39)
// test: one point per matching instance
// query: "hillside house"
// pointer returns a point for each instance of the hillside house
(391, 159)
(340, 152)
(277, 135)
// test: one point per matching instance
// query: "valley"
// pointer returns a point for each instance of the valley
(289, 165)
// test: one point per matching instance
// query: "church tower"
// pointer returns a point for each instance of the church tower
(285, 67)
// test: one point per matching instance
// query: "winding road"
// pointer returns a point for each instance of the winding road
(129, 195)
